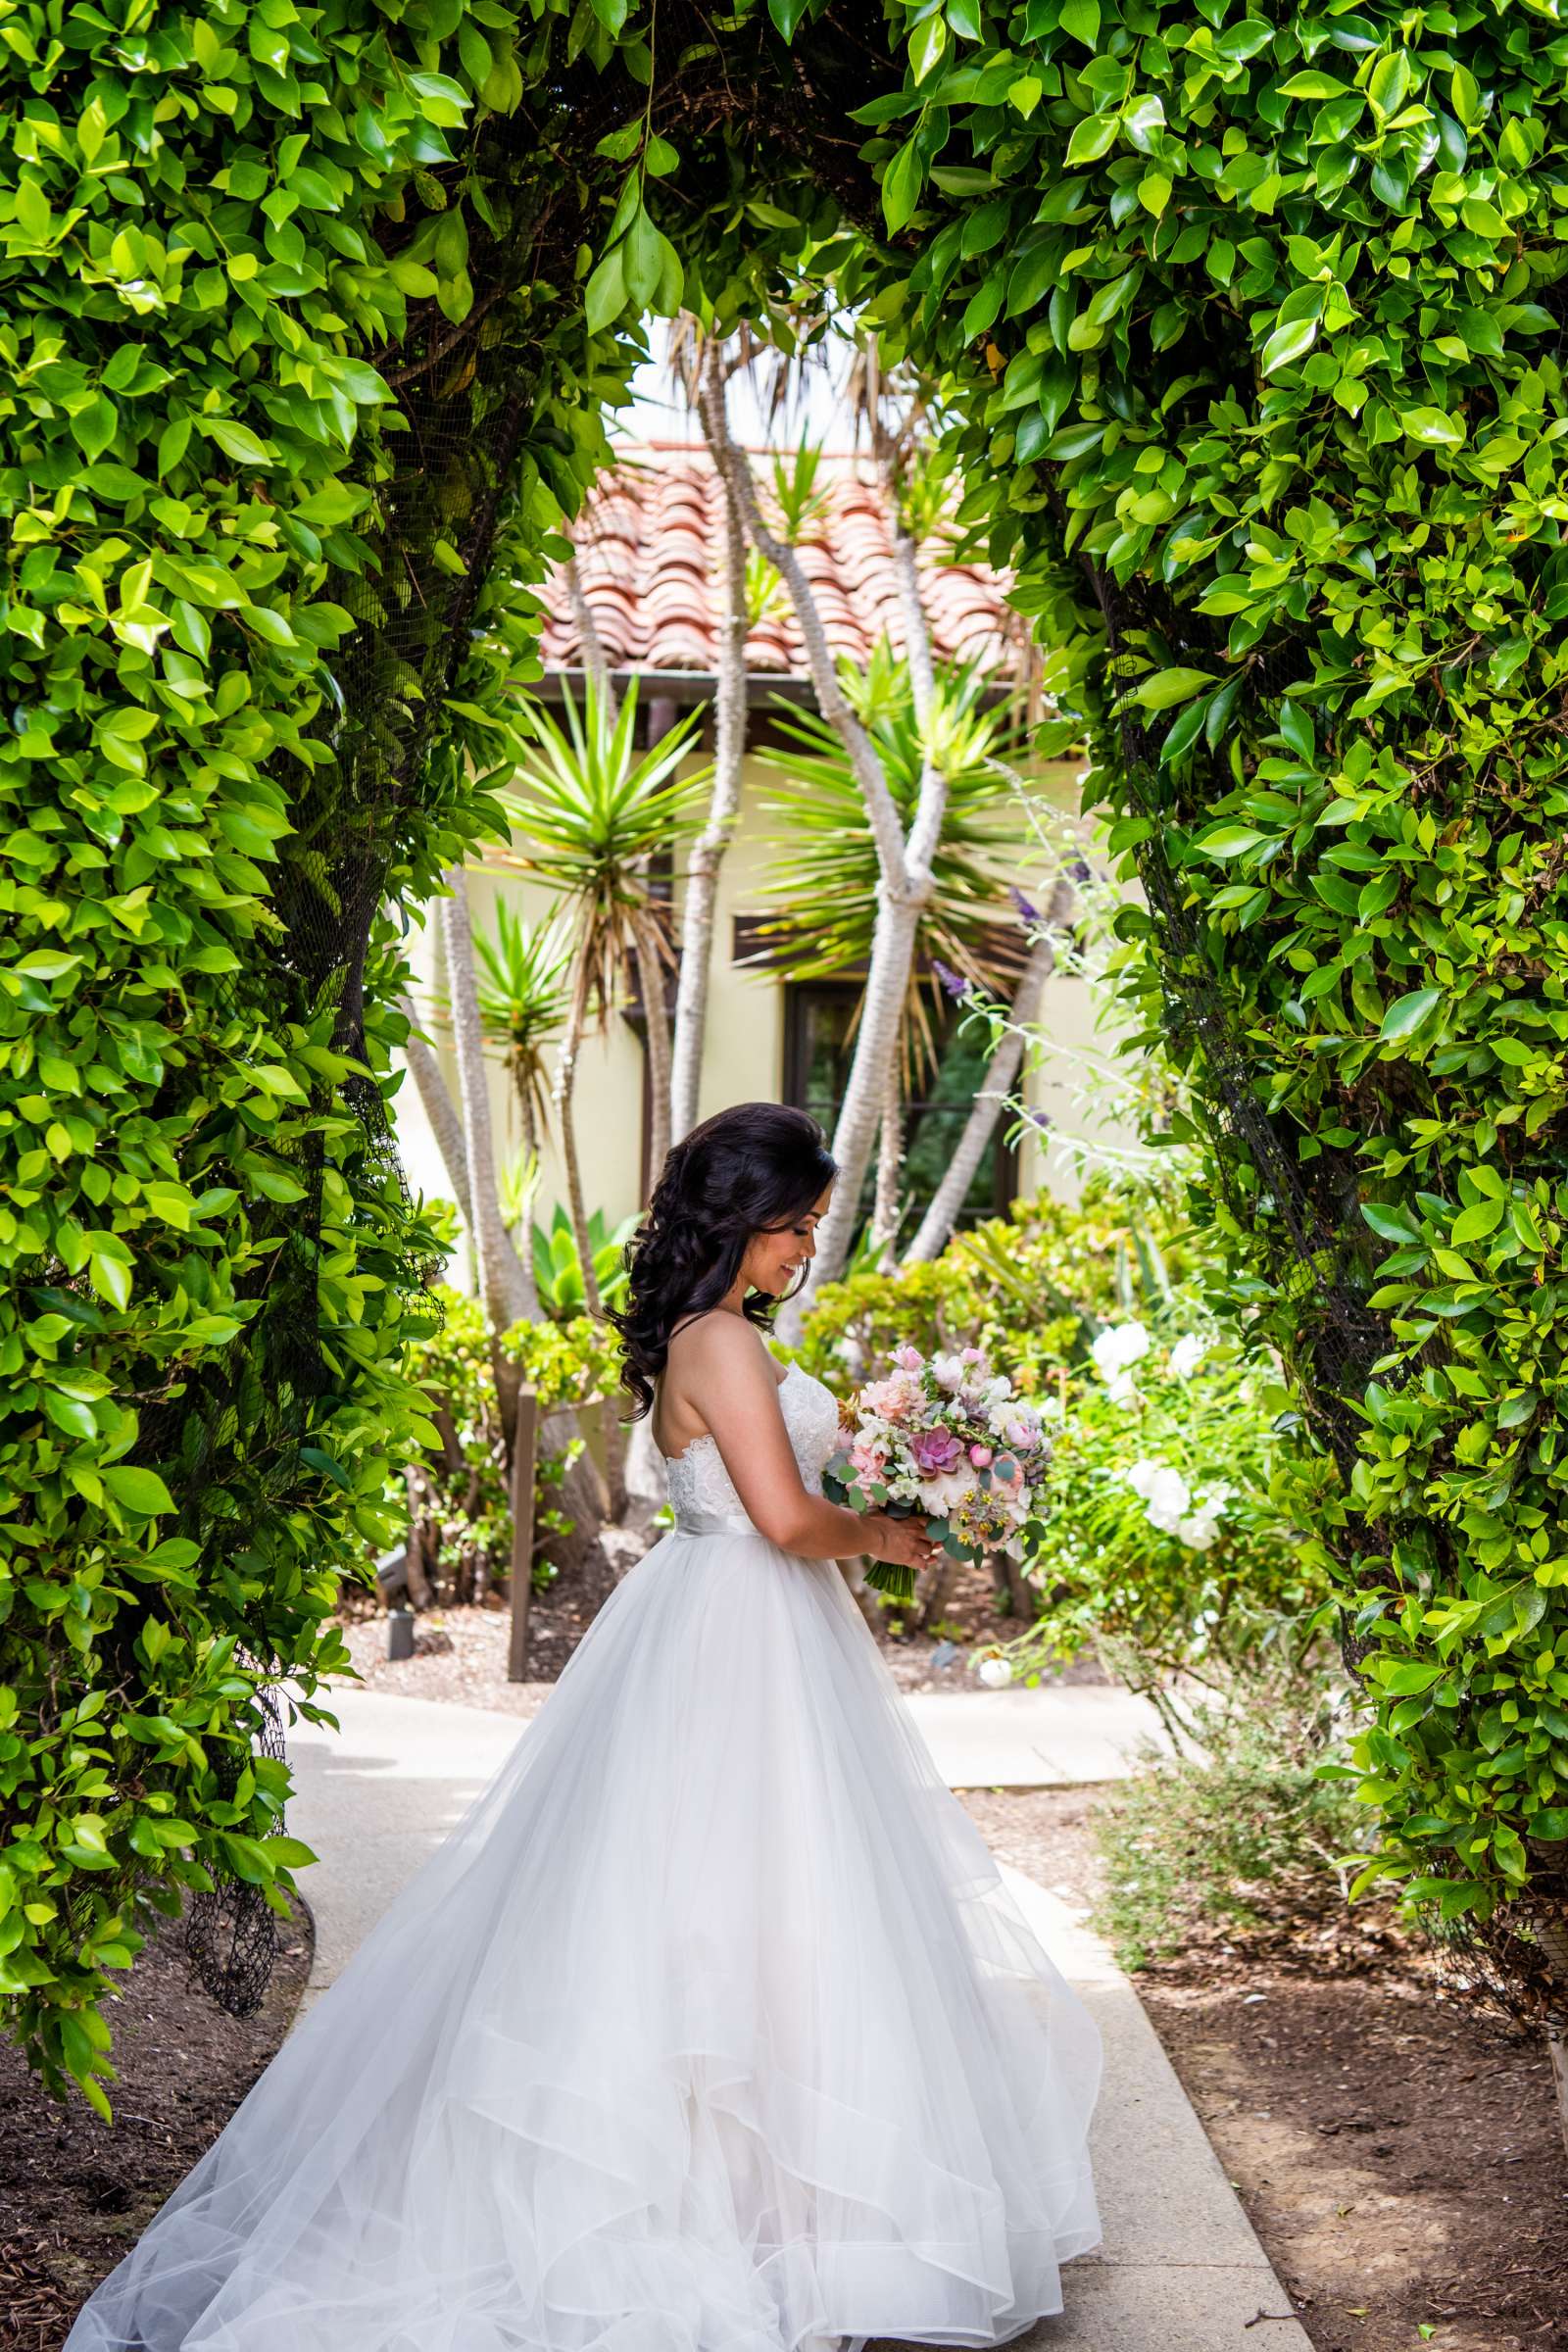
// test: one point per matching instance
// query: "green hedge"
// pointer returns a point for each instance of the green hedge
(1275, 302)
(305, 317)
(211, 1269)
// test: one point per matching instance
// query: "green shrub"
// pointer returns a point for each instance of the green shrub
(1032, 1289)
(463, 1481)
(1241, 1834)
(1168, 1508)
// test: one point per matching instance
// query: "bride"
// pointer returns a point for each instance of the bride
(710, 2026)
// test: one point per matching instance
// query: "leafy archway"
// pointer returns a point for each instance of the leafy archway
(1250, 321)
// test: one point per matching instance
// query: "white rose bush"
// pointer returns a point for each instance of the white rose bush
(1165, 1516)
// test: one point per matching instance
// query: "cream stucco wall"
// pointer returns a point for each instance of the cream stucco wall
(743, 1052)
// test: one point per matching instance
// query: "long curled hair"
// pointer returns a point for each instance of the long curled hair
(754, 1168)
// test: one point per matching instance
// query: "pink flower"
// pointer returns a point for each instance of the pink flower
(907, 1359)
(889, 1400)
(1006, 1469)
(867, 1458)
(971, 1356)
(936, 1449)
(980, 1455)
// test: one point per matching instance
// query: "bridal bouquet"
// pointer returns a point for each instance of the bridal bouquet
(946, 1437)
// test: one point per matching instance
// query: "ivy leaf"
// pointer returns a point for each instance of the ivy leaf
(237, 441)
(643, 260)
(1389, 1225)
(927, 44)
(141, 1491)
(1289, 342)
(1406, 1014)
(902, 183)
(605, 295)
(1165, 688)
(1436, 428)
(1092, 138)
(1229, 841)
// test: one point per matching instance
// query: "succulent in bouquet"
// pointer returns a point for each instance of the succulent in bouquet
(946, 1437)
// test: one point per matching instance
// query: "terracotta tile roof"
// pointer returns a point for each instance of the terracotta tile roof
(649, 553)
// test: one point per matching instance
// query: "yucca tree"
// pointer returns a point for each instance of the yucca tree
(592, 814)
(524, 980)
(823, 881)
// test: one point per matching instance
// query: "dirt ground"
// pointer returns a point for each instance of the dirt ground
(76, 2192)
(1398, 2154)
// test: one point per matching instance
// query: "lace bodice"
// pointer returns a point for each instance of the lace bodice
(699, 1485)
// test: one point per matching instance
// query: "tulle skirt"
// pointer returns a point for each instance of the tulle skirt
(711, 2028)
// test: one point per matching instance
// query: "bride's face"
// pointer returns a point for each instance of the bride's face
(773, 1261)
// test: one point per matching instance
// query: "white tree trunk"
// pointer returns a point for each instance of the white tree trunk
(439, 1109)
(889, 1161)
(506, 1283)
(876, 1044)
(655, 1012)
(565, 1112)
(904, 891)
(886, 831)
(723, 807)
(594, 660)
(1001, 1072)
(916, 628)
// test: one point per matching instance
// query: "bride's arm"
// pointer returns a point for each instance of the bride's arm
(728, 1374)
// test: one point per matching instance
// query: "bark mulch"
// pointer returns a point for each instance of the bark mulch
(459, 1653)
(76, 2192)
(1399, 2152)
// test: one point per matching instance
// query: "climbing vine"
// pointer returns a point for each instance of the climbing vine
(1250, 322)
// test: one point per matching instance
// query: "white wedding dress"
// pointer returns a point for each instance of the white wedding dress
(710, 2026)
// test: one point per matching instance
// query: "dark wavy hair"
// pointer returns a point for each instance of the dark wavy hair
(754, 1168)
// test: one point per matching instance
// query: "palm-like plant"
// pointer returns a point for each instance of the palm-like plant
(558, 1263)
(594, 813)
(823, 879)
(522, 986)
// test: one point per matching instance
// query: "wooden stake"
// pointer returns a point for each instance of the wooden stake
(525, 1453)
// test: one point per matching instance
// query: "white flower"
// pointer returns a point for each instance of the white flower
(1121, 1388)
(948, 1372)
(1198, 1531)
(998, 1386)
(1142, 1475)
(1118, 1347)
(995, 1672)
(942, 1493)
(1168, 1499)
(1186, 1357)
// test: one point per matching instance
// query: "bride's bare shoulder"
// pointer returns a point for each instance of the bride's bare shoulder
(721, 1343)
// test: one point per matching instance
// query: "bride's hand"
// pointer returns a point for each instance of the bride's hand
(902, 1541)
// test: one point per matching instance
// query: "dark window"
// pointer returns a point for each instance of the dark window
(819, 1042)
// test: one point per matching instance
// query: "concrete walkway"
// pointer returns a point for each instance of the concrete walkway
(1181, 2268)
(1057, 1736)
